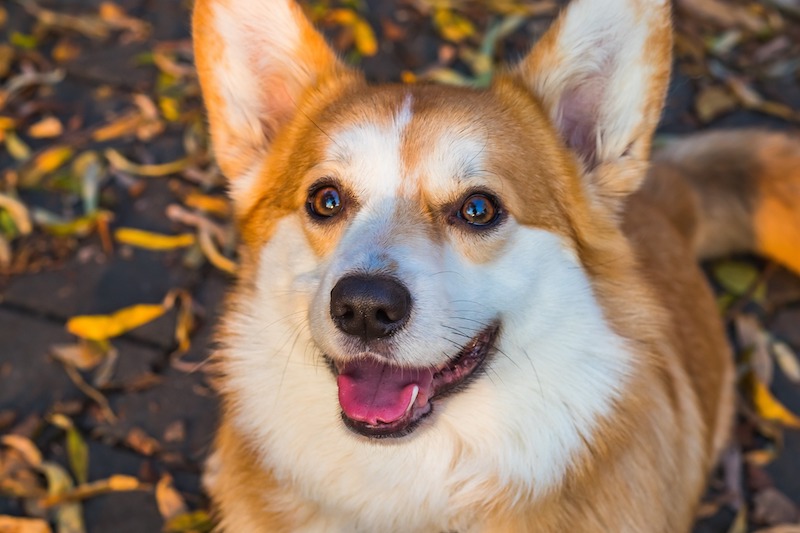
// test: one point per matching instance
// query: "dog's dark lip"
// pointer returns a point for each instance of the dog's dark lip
(452, 377)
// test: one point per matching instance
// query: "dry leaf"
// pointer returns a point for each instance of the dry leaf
(787, 360)
(196, 521)
(25, 447)
(452, 26)
(50, 160)
(46, 128)
(153, 241)
(365, 40)
(13, 524)
(772, 507)
(115, 483)
(140, 441)
(18, 212)
(16, 147)
(125, 125)
(84, 355)
(766, 405)
(119, 162)
(170, 502)
(103, 327)
(712, 102)
(210, 204)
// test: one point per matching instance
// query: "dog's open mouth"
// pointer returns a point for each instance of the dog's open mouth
(382, 400)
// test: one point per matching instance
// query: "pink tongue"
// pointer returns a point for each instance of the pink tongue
(374, 392)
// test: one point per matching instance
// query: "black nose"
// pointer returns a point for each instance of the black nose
(370, 307)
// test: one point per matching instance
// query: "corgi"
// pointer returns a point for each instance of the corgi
(474, 310)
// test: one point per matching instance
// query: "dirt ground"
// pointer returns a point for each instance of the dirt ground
(110, 206)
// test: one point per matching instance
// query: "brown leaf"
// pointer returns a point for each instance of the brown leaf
(772, 507)
(712, 102)
(141, 442)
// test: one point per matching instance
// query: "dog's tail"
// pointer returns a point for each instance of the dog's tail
(733, 191)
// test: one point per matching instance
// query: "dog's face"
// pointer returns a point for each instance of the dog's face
(416, 294)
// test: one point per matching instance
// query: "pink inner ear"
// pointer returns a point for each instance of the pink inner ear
(578, 117)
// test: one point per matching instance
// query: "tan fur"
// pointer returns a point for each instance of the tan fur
(639, 251)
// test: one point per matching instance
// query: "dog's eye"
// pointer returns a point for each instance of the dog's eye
(478, 210)
(324, 202)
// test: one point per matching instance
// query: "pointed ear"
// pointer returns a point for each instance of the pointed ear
(601, 73)
(256, 59)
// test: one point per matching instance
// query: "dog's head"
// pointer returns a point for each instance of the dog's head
(419, 261)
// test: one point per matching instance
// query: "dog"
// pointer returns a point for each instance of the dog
(475, 310)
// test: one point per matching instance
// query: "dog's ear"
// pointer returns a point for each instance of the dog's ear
(256, 60)
(601, 73)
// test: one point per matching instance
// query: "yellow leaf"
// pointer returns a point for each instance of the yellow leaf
(52, 158)
(18, 212)
(119, 482)
(46, 128)
(119, 162)
(7, 123)
(767, 406)
(13, 524)
(211, 204)
(153, 241)
(344, 17)
(452, 26)
(16, 147)
(102, 327)
(170, 502)
(194, 521)
(170, 108)
(365, 40)
(46, 162)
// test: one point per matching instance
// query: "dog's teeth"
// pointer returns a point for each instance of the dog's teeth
(414, 395)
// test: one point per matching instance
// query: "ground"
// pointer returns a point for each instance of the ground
(105, 421)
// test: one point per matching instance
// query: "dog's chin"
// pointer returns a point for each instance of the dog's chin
(382, 400)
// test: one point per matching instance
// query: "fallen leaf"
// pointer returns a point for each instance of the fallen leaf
(365, 40)
(712, 102)
(50, 160)
(16, 147)
(170, 502)
(767, 406)
(141, 442)
(119, 162)
(115, 483)
(210, 204)
(69, 516)
(126, 124)
(102, 327)
(153, 241)
(14, 524)
(18, 212)
(46, 128)
(452, 26)
(196, 521)
(25, 447)
(787, 360)
(772, 507)
(736, 277)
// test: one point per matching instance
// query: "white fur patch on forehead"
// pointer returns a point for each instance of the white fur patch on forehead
(369, 153)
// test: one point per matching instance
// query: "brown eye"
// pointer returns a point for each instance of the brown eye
(478, 210)
(324, 202)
